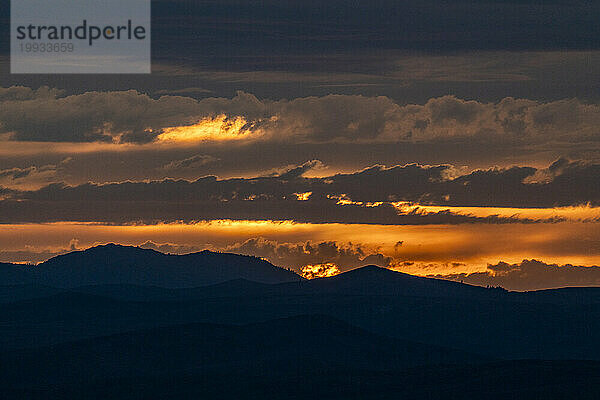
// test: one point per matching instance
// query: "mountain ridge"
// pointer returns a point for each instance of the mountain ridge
(114, 264)
(118, 264)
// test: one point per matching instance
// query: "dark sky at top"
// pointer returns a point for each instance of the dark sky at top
(367, 47)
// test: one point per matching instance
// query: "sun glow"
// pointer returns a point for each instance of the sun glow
(219, 128)
(324, 270)
(303, 196)
(423, 250)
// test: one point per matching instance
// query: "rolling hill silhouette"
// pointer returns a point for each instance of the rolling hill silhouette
(116, 264)
(374, 280)
(277, 346)
(366, 281)
(123, 322)
(298, 357)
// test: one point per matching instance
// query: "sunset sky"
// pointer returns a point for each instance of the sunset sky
(431, 137)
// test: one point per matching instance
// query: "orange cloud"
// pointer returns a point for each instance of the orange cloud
(571, 213)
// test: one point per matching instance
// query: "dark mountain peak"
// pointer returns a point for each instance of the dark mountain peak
(374, 280)
(105, 253)
(109, 245)
(373, 273)
(109, 249)
(372, 270)
(118, 249)
(118, 264)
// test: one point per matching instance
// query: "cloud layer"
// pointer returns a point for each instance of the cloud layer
(130, 116)
(374, 195)
(531, 275)
(297, 255)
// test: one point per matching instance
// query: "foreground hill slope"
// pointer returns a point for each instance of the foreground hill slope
(278, 346)
(303, 357)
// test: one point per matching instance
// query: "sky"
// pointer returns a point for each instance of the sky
(456, 139)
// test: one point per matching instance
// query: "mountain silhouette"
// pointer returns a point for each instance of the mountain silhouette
(370, 280)
(301, 357)
(13, 274)
(374, 280)
(124, 322)
(283, 344)
(116, 264)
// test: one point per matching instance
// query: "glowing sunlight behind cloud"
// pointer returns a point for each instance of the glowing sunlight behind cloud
(325, 270)
(572, 213)
(219, 128)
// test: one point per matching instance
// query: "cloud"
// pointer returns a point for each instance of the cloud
(374, 196)
(565, 183)
(531, 275)
(131, 116)
(92, 116)
(32, 177)
(189, 210)
(21, 93)
(300, 170)
(184, 91)
(190, 162)
(298, 256)
(33, 254)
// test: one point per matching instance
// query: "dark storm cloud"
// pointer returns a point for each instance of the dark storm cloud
(361, 197)
(531, 275)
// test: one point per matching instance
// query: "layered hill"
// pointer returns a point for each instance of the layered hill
(556, 324)
(116, 264)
